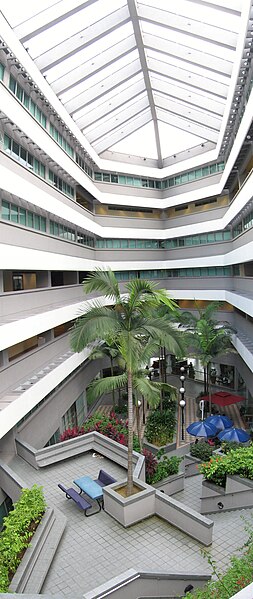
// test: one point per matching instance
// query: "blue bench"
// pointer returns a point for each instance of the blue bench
(104, 479)
(80, 501)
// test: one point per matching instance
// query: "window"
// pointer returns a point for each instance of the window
(12, 84)
(17, 282)
(14, 213)
(1, 71)
(5, 210)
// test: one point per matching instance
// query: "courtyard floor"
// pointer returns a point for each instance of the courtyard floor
(94, 550)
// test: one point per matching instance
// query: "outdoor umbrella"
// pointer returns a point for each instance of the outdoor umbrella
(221, 422)
(238, 435)
(223, 398)
(202, 429)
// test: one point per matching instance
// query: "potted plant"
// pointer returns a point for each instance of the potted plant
(163, 472)
(228, 475)
(160, 429)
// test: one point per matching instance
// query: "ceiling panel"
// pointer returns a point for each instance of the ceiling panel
(119, 66)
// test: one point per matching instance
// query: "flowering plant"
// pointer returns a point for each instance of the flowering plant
(110, 426)
(237, 461)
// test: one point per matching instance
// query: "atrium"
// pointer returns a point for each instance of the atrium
(125, 142)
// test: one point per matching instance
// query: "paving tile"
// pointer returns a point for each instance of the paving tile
(150, 545)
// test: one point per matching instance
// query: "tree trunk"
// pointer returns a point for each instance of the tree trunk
(165, 365)
(209, 388)
(113, 391)
(130, 435)
(205, 381)
(161, 376)
(138, 423)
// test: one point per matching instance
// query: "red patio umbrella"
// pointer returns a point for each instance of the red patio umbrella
(223, 398)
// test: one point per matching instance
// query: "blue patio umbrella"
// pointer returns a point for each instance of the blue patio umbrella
(221, 422)
(202, 429)
(238, 435)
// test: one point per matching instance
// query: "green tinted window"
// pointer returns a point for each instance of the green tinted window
(22, 216)
(30, 219)
(14, 213)
(32, 107)
(7, 142)
(36, 222)
(5, 210)
(15, 147)
(1, 71)
(19, 93)
(26, 100)
(12, 84)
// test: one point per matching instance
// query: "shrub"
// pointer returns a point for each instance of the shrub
(237, 461)
(71, 433)
(201, 450)
(227, 446)
(122, 409)
(150, 465)
(110, 426)
(19, 527)
(160, 427)
(157, 469)
(238, 575)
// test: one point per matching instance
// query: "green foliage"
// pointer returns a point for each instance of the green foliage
(237, 461)
(160, 427)
(134, 327)
(237, 576)
(160, 467)
(166, 466)
(122, 409)
(201, 450)
(226, 446)
(112, 427)
(18, 530)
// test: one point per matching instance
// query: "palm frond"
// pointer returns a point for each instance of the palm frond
(148, 389)
(104, 281)
(100, 387)
(95, 324)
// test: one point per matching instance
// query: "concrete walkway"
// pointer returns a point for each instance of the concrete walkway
(93, 550)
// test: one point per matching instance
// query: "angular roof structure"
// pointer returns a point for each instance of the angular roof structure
(147, 77)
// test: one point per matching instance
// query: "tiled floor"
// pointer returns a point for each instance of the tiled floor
(95, 549)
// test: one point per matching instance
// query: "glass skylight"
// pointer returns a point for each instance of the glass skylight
(145, 77)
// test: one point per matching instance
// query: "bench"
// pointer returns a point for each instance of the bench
(80, 501)
(104, 479)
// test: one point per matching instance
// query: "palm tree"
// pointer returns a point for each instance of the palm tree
(209, 338)
(131, 325)
(141, 384)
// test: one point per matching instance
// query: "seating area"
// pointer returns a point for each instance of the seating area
(104, 479)
(80, 501)
(92, 488)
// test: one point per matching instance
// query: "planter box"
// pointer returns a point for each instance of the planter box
(172, 484)
(129, 510)
(154, 448)
(236, 495)
(32, 570)
(191, 465)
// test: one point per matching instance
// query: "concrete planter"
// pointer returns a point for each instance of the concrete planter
(172, 484)
(129, 510)
(32, 570)
(191, 465)
(236, 495)
(154, 448)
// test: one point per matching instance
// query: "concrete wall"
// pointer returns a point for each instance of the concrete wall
(10, 482)
(43, 423)
(132, 584)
